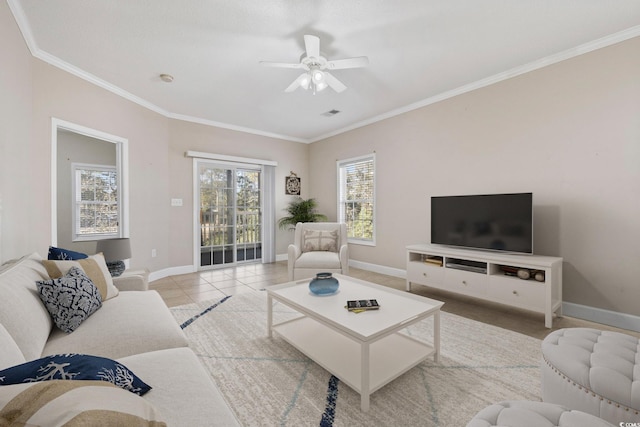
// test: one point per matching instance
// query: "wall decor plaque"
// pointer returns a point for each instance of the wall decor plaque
(292, 184)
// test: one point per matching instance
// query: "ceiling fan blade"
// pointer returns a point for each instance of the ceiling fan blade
(334, 83)
(312, 46)
(338, 64)
(302, 81)
(281, 64)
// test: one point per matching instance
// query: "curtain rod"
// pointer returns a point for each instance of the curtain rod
(202, 155)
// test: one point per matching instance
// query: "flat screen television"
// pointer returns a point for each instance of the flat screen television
(498, 222)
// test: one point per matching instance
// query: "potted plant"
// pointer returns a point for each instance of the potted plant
(300, 210)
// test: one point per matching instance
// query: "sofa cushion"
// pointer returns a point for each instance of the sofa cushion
(178, 376)
(74, 367)
(94, 266)
(74, 403)
(64, 254)
(320, 240)
(70, 299)
(21, 311)
(132, 323)
(10, 354)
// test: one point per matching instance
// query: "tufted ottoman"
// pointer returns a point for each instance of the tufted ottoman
(593, 371)
(539, 414)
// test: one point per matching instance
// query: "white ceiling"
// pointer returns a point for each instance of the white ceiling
(420, 51)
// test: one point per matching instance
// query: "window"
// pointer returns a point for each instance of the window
(356, 198)
(96, 212)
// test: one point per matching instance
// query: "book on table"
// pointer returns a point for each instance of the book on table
(362, 304)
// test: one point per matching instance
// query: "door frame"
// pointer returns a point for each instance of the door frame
(267, 232)
(229, 167)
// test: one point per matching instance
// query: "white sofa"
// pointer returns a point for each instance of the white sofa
(136, 328)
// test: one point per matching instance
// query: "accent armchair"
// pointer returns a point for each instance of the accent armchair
(318, 247)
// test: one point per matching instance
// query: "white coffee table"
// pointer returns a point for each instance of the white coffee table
(364, 350)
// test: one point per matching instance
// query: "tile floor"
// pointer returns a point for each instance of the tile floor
(215, 284)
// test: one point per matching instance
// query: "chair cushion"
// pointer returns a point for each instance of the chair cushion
(320, 240)
(319, 260)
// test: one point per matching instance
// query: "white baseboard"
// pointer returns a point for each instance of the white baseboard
(605, 317)
(376, 268)
(171, 271)
(282, 257)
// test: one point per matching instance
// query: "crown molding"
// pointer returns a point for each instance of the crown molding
(496, 78)
(207, 122)
(27, 34)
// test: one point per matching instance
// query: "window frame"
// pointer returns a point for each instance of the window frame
(77, 202)
(340, 166)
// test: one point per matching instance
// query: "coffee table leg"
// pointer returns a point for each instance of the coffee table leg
(269, 315)
(436, 336)
(364, 375)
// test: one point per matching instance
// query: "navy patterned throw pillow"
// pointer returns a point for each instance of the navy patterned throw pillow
(74, 367)
(64, 254)
(70, 299)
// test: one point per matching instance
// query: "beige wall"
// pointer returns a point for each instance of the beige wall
(570, 133)
(194, 137)
(34, 92)
(58, 94)
(16, 151)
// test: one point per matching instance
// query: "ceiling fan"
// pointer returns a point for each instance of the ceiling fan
(315, 68)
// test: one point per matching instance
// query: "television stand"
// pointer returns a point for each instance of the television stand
(530, 282)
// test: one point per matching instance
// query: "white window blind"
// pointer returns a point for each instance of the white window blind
(356, 198)
(96, 212)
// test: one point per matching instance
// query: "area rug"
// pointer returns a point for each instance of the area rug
(267, 382)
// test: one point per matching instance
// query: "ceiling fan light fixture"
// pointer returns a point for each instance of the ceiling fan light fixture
(321, 86)
(304, 82)
(317, 76)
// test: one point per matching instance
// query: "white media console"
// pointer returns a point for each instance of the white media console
(492, 276)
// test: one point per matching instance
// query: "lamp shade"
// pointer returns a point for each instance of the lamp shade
(114, 249)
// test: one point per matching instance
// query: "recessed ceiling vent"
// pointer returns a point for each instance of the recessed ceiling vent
(331, 113)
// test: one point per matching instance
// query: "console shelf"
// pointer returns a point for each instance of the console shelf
(530, 282)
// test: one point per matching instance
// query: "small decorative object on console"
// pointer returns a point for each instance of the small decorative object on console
(324, 284)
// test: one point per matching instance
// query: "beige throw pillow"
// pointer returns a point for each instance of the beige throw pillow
(94, 267)
(74, 403)
(320, 240)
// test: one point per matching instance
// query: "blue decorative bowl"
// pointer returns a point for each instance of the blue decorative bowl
(324, 284)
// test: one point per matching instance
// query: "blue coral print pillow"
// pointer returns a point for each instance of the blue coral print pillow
(64, 254)
(74, 367)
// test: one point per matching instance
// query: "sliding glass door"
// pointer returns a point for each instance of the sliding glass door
(230, 201)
